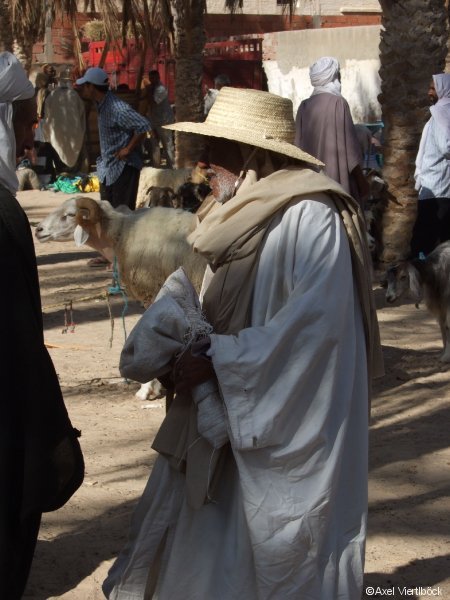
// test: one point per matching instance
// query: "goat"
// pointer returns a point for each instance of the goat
(428, 279)
(190, 196)
(161, 196)
(152, 177)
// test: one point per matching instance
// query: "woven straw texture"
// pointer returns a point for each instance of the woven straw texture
(252, 117)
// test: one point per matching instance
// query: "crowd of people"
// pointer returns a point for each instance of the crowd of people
(260, 485)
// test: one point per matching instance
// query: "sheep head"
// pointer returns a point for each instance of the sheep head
(60, 224)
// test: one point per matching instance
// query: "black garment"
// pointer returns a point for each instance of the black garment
(432, 226)
(34, 425)
(124, 189)
(53, 164)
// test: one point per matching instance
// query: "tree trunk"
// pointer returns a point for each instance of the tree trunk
(412, 48)
(23, 49)
(6, 36)
(189, 41)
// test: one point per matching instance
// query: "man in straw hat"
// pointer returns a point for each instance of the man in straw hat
(279, 510)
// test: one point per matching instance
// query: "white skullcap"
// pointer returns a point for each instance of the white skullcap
(323, 71)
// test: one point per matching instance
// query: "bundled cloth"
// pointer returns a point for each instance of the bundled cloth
(165, 332)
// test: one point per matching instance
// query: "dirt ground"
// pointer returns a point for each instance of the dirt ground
(408, 545)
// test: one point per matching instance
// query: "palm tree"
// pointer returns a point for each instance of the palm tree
(413, 47)
(182, 23)
(24, 22)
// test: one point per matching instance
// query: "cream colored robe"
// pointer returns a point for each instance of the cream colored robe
(290, 520)
(64, 124)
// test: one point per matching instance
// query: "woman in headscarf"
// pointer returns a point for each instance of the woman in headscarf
(325, 129)
(432, 174)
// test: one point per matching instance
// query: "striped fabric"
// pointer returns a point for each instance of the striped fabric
(117, 123)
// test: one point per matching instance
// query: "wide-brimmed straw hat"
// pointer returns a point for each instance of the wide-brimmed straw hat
(252, 117)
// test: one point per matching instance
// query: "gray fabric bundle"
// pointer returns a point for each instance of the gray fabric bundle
(165, 331)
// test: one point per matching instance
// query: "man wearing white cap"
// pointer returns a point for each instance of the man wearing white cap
(324, 128)
(264, 496)
(35, 431)
(121, 132)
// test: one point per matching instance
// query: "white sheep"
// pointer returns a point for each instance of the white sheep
(151, 177)
(148, 244)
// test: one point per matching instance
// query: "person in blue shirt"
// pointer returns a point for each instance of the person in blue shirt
(121, 132)
(432, 174)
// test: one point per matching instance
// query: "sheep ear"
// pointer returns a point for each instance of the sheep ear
(80, 236)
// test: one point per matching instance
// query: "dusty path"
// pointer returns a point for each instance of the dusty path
(409, 532)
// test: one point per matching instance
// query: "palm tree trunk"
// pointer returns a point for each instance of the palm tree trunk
(6, 36)
(23, 49)
(412, 48)
(189, 41)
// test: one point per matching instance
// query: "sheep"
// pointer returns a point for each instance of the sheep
(149, 244)
(429, 280)
(152, 177)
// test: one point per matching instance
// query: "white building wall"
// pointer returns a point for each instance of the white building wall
(303, 7)
(356, 48)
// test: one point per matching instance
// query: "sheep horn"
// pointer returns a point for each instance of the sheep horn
(87, 210)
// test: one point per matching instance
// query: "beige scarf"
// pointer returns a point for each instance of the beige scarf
(230, 237)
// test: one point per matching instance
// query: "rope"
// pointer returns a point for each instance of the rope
(83, 299)
(115, 289)
(118, 289)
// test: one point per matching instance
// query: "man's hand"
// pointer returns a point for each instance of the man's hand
(123, 153)
(193, 368)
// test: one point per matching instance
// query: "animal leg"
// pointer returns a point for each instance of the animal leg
(445, 331)
(150, 390)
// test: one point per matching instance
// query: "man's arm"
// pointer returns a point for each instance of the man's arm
(132, 121)
(137, 139)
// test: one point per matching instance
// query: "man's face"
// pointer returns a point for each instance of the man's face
(432, 95)
(222, 183)
(24, 121)
(225, 162)
(86, 91)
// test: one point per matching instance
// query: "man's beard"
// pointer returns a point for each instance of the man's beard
(222, 183)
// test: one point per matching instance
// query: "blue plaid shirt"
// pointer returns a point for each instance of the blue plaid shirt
(117, 123)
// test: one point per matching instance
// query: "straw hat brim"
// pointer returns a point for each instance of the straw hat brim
(252, 139)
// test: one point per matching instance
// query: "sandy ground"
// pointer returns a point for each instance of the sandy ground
(408, 544)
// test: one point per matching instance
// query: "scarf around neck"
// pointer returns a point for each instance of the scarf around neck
(230, 236)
